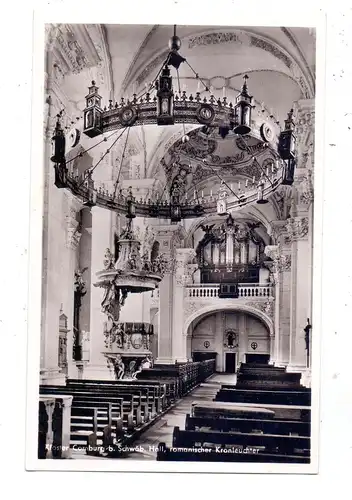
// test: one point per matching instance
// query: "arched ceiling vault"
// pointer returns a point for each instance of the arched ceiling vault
(281, 43)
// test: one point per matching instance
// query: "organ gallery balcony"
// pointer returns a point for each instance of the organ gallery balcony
(217, 291)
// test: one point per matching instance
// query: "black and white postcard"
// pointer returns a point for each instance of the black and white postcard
(174, 300)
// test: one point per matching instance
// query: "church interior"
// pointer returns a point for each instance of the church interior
(177, 243)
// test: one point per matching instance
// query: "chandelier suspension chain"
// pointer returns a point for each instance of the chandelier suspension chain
(179, 91)
(197, 76)
(90, 171)
(92, 147)
(164, 107)
(255, 160)
(222, 180)
(196, 191)
(152, 83)
(121, 162)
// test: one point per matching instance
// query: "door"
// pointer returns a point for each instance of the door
(230, 362)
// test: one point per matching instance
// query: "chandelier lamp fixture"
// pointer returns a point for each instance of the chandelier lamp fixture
(160, 104)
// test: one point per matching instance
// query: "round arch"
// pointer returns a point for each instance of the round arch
(204, 311)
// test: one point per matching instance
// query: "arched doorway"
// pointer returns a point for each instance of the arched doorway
(231, 337)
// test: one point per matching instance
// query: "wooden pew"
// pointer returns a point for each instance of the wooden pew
(298, 398)
(246, 425)
(187, 375)
(151, 398)
(214, 409)
(271, 443)
(156, 393)
(136, 403)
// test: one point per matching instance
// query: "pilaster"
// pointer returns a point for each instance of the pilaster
(97, 366)
(169, 237)
(281, 277)
(182, 278)
(300, 238)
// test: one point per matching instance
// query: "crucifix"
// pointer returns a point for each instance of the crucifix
(307, 330)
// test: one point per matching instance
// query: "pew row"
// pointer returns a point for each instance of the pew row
(247, 425)
(235, 395)
(269, 443)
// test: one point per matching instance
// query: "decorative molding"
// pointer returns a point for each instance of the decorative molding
(297, 229)
(152, 65)
(73, 228)
(244, 38)
(212, 39)
(73, 234)
(278, 230)
(304, 111)
(305, 189)
(183, 273)
(192, 307)
(266, 307)
(281, 262)
(282, 200)
(269, 47)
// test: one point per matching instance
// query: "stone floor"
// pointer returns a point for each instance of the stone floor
(161, 431)
(145, 448)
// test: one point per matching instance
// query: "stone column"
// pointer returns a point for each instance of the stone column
(182, 279)
(299, 234)
(49, 408)
(219, 341)
(272, 349)
(168, 237)
(229, 246)
(97, 367)
(281, 274)
(66, 426)
(242, 339)
(70, 260)
(53, 250)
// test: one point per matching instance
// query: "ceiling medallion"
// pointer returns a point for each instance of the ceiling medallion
(128, 116)
(205, 114)
(266, 132)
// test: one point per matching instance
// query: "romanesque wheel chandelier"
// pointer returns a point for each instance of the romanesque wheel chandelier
(163, 104)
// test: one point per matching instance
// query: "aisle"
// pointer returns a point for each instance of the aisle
(146, 447)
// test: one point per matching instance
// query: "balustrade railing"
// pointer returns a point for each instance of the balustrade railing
(54, 421)
(244, 291)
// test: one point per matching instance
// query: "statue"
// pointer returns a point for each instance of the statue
(80, 290)
(307, 330)
(119, 367)
(131, 369)
(108, 259)
(114, 299)
(231, 339)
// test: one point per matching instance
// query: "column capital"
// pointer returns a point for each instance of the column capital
(67, 401)
(74, 205)
(305, 117)
(297, 229)
(170, 236)
(304, 188)
(183, 272)
(278, 230)
(281, 261)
